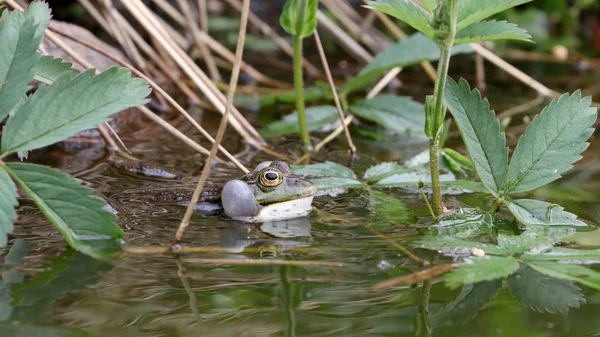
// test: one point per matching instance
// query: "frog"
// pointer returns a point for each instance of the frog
(269, 192)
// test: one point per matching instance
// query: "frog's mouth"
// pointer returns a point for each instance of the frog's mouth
(282, 210)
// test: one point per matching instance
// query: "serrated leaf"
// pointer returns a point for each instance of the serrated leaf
(543, 293)
(8, 201)
(446, 245)
(71, 105)
(328, 175)
(299, 17)
(48, 69)
(397, 113)
(481, 269)
(408, 11)
(430, 4)
(516, 244)
(71, 207)
(472, 299)
(463, 223)
(583, 275)
(481, 133)
(383, 170)
(404, 53)
(411, 179)
(21, 34)
(473, 11)
(551, 144)
(386, 208)
(16, 253)
(536, 212)
(492, 30)
(316, 118)
(581, 256)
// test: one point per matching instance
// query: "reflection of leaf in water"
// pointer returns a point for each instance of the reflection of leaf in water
(385, 208)
(10, 330)
(69, 272)
(14, 258)
(482, 269)
(472, 299)
(542, 293)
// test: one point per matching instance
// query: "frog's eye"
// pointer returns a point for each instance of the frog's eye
(270, 178)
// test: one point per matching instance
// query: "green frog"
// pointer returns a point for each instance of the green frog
(269, 192)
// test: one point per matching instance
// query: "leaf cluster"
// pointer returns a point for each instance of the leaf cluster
(67, 103)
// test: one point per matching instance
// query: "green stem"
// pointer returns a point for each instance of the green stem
(439, 108)
(4, 155)
(298, 82)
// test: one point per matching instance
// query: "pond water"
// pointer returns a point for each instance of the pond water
(54, 291)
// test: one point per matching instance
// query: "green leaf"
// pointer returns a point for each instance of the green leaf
(397, 113)
(492, 30)
(472, 299)
(449, 246)
(463, 223)
(583, 275)
(516, 244)
(71, 105)
(551, 144)
(316, 118)
(410, 179)
(533, 289)
(386, 208)
(535, 212)
(48, 69)
(459, 158)
(383, 170)
(481, 269)
(404, 53)
(11, 329)
(407, 11)
(481, 133)
(328, 175)
(71, 207)
(430, 4)
(8, 201)
(582, 256)
(21, 34)
(473, 11)
(299, 17)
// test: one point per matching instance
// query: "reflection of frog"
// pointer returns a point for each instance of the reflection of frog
(268, 192)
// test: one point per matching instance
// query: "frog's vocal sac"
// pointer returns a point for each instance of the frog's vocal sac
(269, 192)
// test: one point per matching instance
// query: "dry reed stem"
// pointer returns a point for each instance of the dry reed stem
(160, 250)
(138, 10)
(355, 49)
(182, 273)
(521, 108)
(414, 278)
(336, 99)
(195, 30)
(173, 103)
(282, 43)
(385, 80)
(222, 126)
(480, 72)
(263, 262)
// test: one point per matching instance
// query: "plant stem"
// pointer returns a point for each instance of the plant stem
(298, 82)
(439, 108)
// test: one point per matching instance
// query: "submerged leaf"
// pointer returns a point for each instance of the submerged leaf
(71, 207)
(407, 11)
(406, 52)
(386, 208)
(481, 133)
(492, 30)
(8, 201)
(328, 175)
(48, 69)
(299, 17)
(516, 244)
(543, 293)
(551, 144)
(482, 269)
(449, 245)
(463, 223)
(583, 275)
(316, 118)
(473, 11)
(397, 113)
(536, 212)
(565, 254)
(71, 105)
(21, 34)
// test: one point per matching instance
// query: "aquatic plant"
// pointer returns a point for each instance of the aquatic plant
(66, 103)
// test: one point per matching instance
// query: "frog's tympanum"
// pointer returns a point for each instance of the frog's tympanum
(269, 192)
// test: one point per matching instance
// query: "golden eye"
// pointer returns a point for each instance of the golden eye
(270, 178)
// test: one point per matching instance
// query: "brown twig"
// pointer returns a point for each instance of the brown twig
(182, 273)
(521, 107)
(415, 278)
(336, 99)
(222, 126)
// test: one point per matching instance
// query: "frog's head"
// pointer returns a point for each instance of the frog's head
(269, 192)
(273, 182)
